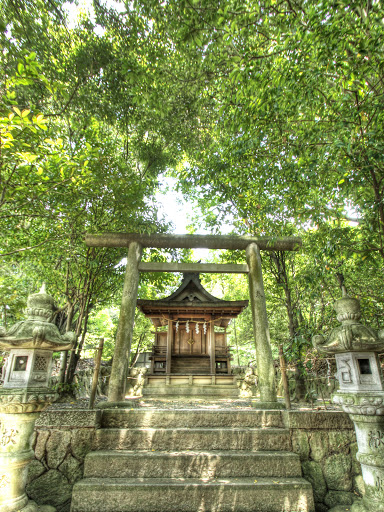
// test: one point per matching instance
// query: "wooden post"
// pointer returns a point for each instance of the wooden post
(227, 351)
(96, 372)
(283, 368)
(152, 369)
(212, 346)
(265, 368)
(118, 379)
(169, 346)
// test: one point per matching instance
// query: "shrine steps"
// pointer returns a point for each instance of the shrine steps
(208, 391)
(201, 418)
(191, 464)
(190, 365)
(178, 439)
(191, 385)
(190, 495)
(192, 460)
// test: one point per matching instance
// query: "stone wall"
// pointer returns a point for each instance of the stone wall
(321, 388)
(326, 443)
(62, 440)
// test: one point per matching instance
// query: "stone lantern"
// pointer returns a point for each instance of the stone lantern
(25, 394)
(361, 394)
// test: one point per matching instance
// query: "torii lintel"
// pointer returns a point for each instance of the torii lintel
(170, 241)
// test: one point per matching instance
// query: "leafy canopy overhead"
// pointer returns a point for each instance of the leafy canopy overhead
(268, 113)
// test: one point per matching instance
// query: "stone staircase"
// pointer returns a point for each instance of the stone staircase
(188, 460)
(195, 386)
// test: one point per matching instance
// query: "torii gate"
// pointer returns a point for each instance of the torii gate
(135, 243)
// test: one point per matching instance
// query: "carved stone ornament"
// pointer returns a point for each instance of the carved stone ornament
(367, 405)
(14, 401)
(37, 331)
(351, 336)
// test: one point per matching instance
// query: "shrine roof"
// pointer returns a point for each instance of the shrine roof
(190, 297)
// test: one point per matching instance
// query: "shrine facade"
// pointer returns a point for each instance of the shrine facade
(191, 330)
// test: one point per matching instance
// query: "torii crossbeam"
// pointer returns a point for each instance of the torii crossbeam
(135, 243)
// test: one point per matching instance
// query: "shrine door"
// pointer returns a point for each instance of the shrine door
(189, 343)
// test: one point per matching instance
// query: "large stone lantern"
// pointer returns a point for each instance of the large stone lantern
(361, 394)
(25, 394)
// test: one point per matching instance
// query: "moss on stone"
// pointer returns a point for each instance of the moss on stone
(337, 472)
(334, 498)
(313, 473)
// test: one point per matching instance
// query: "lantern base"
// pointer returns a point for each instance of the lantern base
(34, 507)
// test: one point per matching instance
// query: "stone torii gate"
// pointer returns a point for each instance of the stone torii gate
(252, 246)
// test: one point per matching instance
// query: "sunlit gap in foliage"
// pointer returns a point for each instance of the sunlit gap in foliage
(172, 205)
(184, 216)
(75, 12)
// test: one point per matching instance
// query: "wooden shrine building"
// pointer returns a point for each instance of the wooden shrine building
(195, 341)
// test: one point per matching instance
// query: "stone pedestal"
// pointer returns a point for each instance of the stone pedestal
(19, 409)
(366, 410)
(15, 454)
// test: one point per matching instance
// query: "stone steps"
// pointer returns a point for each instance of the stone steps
(191, 460)
(206, 391)
(190, 365)
(203, 418)
(179, 439)
(192, 495)
(191, 464)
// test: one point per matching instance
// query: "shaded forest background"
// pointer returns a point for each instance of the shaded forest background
(268, 115)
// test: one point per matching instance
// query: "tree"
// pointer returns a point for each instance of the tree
(268, 113)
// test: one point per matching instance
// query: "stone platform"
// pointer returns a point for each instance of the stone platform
(191, 386)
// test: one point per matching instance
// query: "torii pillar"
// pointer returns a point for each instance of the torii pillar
(135, 242)
(264, 359)
(121, 356)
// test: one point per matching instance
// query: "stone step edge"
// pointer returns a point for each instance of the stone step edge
(158, 453)
(230, 385)
(181, 430)
(244, 482)
(180, 394)
(215, 412)
(214, 416)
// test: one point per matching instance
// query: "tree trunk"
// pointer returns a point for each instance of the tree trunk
(137, 353)
(281, 275)
(298, 364)
(75, 355)
(64, 354)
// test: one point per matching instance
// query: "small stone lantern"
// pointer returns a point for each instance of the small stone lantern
(25, 394)
(361, 394)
